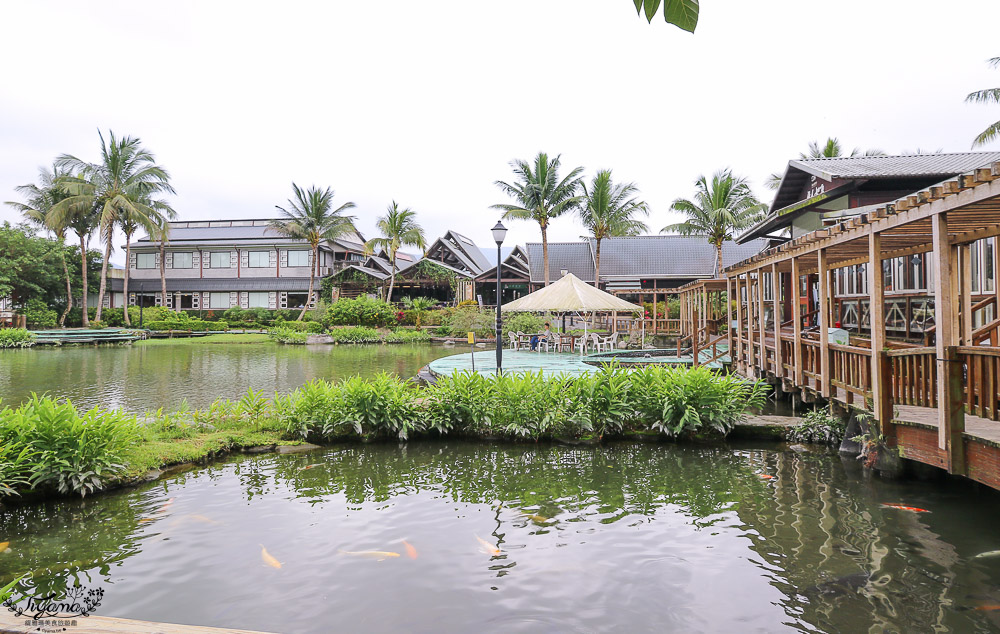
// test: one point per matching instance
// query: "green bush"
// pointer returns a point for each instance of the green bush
(288, 336)
(362, 311)
(522, 322)
(16, 338)
(313, 327)
(401, 335)
(472, 319)
(38, 314)
(71, 452)
(194, 325)
(819, 426)
(355, 334)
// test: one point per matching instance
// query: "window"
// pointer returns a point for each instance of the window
(220, 260)
(989, 266)
(182, 260)
(145, 260)
(298, 258)
(259, 300)
(259, 259)
(296, 300)
(218, 300)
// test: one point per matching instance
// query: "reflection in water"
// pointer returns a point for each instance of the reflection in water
(144, 377)
(453, 536)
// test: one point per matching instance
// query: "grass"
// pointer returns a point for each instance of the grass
(218, 338)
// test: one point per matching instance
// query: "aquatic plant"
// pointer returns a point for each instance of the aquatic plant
(355, 334)
(819, 426)
(460, 401)
(288, 336)
(72, 452)
(601, 403)
(16, 338)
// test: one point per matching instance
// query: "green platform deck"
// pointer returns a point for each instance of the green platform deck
(549, 363)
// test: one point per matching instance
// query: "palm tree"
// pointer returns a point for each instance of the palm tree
(310, 216)
(129, 224)
(398, 228)
(607, 211)
(39, 200)
(719, 208)
(990, 95)
(163, 235)
(831, 149)
(540, 195)
(126, 175)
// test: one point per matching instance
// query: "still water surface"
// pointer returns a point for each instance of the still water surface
(145, 377)
(634, 537)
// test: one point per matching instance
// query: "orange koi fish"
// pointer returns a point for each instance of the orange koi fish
(988, 608)
(308, 467)
(901, 507)
(411, 552)
(378, 555)
(764, 476)
(4, 546)
(268, 558)
(166, 505)
(487, 547)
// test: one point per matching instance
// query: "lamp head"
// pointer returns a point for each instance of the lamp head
(499, 233)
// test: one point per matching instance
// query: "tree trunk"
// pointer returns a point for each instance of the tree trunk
(83, 281)
(128, 254)
(392, 278)
(163, 275)
(718, 260)
(69, 290)
(312, 280)
(545, 253)
(108, 239)
(597, 264)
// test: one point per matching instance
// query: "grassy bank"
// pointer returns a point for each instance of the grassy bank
(217, 338)
(48, 446)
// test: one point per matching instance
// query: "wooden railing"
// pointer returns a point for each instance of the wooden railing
(787, 353)
(851, 370)
(811, 352)
(713, 344)
(982, 380)
(913, 375)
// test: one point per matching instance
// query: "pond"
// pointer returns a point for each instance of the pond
(459, 536)
(150, 375)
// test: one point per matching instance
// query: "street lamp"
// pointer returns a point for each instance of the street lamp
(499, 233)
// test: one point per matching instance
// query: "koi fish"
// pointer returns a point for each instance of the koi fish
(487, 547)
(268, 558)
(166, 505)
(991, 553)
(378, 555)
(4, 547)
(202, 519)
(147, 520)
(764, 476)
(987, 608)
(541, 519)
(308, 467)
(411, 552)
(901, 507)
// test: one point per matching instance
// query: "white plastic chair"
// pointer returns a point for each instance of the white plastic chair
(595, 342)
(513, 340)
(610, 342)
(581, 344)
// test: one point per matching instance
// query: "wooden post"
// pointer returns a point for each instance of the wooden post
(965, 283)
(761, 330)
(797, 321)
(751, 353)
(654, 307)
(738, 296)
(881, 403)
(729, 316)
(951, 414)
(824, 324)
(779, 369)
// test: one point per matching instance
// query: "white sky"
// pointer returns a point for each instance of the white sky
(427, 102)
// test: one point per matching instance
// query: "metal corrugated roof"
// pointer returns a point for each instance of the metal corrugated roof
(895, 166)
(223, 231)
(575, 257)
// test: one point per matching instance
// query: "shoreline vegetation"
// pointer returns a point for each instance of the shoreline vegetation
(48, 448)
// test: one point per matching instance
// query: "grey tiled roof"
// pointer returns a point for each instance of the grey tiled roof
(895, 166)
(575, 257)
(244, 231)
(222, 284)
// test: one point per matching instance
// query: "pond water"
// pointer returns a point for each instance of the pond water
(148, 376)
(638, 537)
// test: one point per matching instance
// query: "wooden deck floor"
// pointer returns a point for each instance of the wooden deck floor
(975, 427)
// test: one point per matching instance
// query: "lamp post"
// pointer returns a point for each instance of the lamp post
(499, 233)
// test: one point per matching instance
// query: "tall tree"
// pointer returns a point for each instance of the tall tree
(163, 236)
(38, 202)
(117, 185)
(310, 216)
(831, 149)
(540, 195)
(129, 224)
(608, 210)
(990, 95)
(719, 208)
(398, 228)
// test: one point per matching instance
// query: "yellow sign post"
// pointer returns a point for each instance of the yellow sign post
(472, 349)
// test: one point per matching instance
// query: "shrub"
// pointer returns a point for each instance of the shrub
(16, 338)
(818, 426)
(362, 311)
(465, 320)
(407, 336)
(355, 334)
(466, 303)
(600, 402)
(38, 314)
(462, 401)
(194, 325)
(313, 327)
(72, 452)
(287, 336)
(522, 322)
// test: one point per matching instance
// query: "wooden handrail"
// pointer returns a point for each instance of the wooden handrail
(984, 351)
(907, 352)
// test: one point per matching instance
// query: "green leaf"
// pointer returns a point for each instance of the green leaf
(651, 7)
(682, 13)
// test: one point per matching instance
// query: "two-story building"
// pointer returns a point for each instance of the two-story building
(220, 264)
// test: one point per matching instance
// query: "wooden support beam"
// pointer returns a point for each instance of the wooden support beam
(797, 322)
(951, 414)
(779, 368)
(824, 323)
(760, 323)
(965, 294)
(729, 317)
(738, 296)
(881, 402)
(752, 352)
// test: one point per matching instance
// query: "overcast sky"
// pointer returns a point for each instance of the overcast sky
(427, 102)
